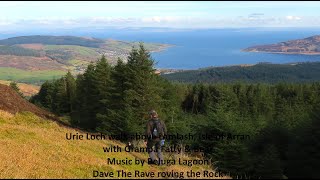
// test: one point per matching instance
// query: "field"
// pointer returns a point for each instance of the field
(30, 63)
(81, 51)
(126, 46)
(78, 62)
(32, 77)
(32, 46)
(32, 147)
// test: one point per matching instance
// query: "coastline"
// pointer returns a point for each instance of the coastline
(163, 48)
(296, 53)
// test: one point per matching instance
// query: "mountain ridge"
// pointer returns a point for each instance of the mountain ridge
(306, 46)
(49, 39)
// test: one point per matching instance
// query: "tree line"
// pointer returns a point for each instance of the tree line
(109, 99)
(262, 72)
(53, 40)
(282, 119)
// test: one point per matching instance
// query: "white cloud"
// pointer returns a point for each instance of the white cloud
(251, 20)
(255, 15)
(5, 22)
(162, 19)
(293, 18)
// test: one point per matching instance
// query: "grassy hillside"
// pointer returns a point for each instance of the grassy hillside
(32, 147)
(66, 53)
(31, 63)
(115, 45)
(34, 77)
(85, 51)
(268, 73)
(26, 89)
(18, 51)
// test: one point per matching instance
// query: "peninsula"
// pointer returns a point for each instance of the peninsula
(307, 46)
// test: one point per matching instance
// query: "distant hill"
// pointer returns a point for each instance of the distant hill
(263, 72)
(60, 53)
(308, 46)
(53, 40)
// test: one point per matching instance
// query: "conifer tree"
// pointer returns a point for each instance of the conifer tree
(60, 100)
(44, 96)
(303, 153)
(268, 165)
(114, 118)
(70, 91)
(15, 87)
(103, 84)
(143, 89)
(87, 96)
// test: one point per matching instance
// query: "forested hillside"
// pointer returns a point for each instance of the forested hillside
(263, 72)
(282, 120)
(18, 51)
(53, 40)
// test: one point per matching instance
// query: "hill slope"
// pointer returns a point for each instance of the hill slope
(53, 40)
(58, 54)
(32, 147)
(67, 48)
(309, 46)
(268, 73)
(11, 102)
(25, 89)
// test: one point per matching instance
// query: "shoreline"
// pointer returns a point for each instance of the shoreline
(294, 53)
(165, 47)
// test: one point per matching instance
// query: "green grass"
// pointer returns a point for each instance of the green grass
(81, 50)
(76, 62)
(126, 46)
(31, 77)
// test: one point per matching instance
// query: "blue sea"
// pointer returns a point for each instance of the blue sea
(204, 48)
(195, 49)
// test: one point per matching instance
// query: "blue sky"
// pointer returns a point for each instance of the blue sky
(174, 14)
